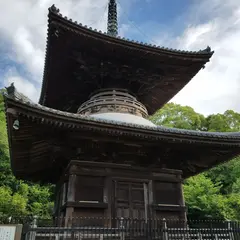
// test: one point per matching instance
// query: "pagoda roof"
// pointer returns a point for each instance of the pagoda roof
(80, 60)
(31, 147)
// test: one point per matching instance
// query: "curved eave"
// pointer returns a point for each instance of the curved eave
(64, 119)
(74, 26)
(214, 148)
(56, 18)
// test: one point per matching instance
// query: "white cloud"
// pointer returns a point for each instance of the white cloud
(217, 87)
(23, 85)
(24, 25)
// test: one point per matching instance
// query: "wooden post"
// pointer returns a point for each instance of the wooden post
(231, 234)
(165, 236)
(146, 203)
(151, 192)
(68, 216)
(107, 199)
(32, 234)
(70, 198)
(181, 199)
(71, 188)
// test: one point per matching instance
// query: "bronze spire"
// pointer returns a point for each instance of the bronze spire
(112, 25)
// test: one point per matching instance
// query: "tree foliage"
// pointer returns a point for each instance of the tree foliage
(177, 116)
(227, 122)
(202, 197)
(215, 193)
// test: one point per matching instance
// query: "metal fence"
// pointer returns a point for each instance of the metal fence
(126, 229)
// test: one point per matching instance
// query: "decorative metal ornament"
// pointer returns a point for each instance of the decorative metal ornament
(112, 27)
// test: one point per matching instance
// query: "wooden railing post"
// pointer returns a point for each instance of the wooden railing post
(165, 234)
(200, 236)
(32, 234)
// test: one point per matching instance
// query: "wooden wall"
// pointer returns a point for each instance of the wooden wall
(90, 189)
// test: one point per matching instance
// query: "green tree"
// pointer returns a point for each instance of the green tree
(203, 198)
(226, 174)
(216, 192)
(177, 116)
(12, 204)
(6, 177)
(3, 131)
(232, 207)
(227, 122)
(39, 200)
(236, 186)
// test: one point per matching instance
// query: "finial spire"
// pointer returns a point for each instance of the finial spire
(112, 27)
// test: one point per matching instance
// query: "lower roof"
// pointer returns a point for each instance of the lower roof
(36, 148)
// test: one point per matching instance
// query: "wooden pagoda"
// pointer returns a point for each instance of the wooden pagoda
(90, 135)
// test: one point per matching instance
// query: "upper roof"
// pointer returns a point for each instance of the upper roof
(80, 60)
(44, 134)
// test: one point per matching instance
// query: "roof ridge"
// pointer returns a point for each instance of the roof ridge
(53, 9)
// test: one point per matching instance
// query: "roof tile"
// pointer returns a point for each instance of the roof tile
(226, 135)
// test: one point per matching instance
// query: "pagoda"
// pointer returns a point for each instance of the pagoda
(90, 134)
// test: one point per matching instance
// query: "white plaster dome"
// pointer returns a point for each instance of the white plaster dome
(123, 117)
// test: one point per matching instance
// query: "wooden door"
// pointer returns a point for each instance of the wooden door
(130, 200)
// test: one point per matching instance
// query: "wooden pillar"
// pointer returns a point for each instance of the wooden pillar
(183, 215)
(70, 198)
(71, 188)
(150, 199)
(181, 197)
(68, 216)
(146, 200)
(108, 199)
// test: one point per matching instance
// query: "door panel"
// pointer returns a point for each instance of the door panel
(130, 200)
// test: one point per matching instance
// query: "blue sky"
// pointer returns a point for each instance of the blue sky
(163, 13)
(181, 24)
(150, 17)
